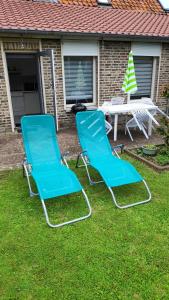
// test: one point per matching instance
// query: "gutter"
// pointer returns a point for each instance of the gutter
(100, 36)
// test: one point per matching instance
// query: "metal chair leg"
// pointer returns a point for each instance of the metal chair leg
(91, 181)
(133, 204)
(29, 183)
(68, 222)
(129, 133)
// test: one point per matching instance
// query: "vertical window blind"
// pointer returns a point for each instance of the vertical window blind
(78, 79)
(143, 70)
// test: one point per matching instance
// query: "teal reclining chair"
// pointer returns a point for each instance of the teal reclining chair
(46, 165)
(98, 153)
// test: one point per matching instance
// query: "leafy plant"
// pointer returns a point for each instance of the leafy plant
(163, 150)
(162, 160)
(166, 92)
(139, 151)
(164, 130)
(150, 147)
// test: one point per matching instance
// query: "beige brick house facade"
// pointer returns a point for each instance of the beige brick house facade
(110, 68)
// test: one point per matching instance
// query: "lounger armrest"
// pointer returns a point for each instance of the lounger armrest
(83, 152)
(121, 146)
(66, 153)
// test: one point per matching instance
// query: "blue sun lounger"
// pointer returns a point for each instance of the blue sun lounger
(46, 165)
(98, 153)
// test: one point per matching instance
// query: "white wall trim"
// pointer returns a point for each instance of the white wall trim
(146, 49)
(63, 76)
(79, 48)
(158, 79)
(7, 86)
(94, 80)
(153, 78)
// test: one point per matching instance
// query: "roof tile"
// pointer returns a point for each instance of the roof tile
(143, 5)
(49, 17)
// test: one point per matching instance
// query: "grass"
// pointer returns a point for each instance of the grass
(116, 254)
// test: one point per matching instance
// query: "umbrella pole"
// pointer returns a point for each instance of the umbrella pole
(128, 98)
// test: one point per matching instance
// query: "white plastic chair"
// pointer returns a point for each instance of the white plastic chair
(108, 127)
(140, 119)
(117, 100)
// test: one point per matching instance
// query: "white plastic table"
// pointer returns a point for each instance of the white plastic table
(124, 109)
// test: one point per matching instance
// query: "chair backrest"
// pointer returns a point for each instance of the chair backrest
(146, 100)
(40, 140)
(106, 103)
(108, 127)
(117, 100)
(141, 116)
(92, 134)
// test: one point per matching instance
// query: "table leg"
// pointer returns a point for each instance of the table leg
(115, 126)
(150, 127)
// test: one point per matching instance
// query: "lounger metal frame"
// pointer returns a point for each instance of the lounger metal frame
(27, 172)
(86, 163)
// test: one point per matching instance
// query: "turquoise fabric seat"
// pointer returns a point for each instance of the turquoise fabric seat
(45, 163)
(42, 152)
(93, 139)
(98, 153)
(116, 172)
(57, 182)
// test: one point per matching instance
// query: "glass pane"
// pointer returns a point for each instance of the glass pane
(143, 70)
(78, 79)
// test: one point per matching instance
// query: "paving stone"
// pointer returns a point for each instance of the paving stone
(12, 154)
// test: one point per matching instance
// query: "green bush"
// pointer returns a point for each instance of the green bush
(163, 130)
(162, 160)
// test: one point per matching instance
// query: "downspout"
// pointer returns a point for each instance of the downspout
(98, 75)
(42, 77)
(54, 89)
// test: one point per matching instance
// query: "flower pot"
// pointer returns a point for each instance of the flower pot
(150, 152)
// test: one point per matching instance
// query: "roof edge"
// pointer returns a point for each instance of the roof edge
(60, 34)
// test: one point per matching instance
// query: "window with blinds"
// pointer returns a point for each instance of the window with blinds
(143, 70)
(78, 73)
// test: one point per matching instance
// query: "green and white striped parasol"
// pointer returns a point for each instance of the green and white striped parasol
(130, 84)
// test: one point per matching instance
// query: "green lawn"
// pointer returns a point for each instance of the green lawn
(116, 254)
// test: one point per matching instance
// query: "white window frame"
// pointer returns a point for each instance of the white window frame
(154, 74)
(153, 50)
(68, 106)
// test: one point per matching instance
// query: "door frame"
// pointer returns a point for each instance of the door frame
(4, 57)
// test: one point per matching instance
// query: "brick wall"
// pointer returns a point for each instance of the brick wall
(163, 76)
(113, 62)
(5, 121)
(65, 119)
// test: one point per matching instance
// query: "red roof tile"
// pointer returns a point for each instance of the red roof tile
(47, 17)
(143, 5)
